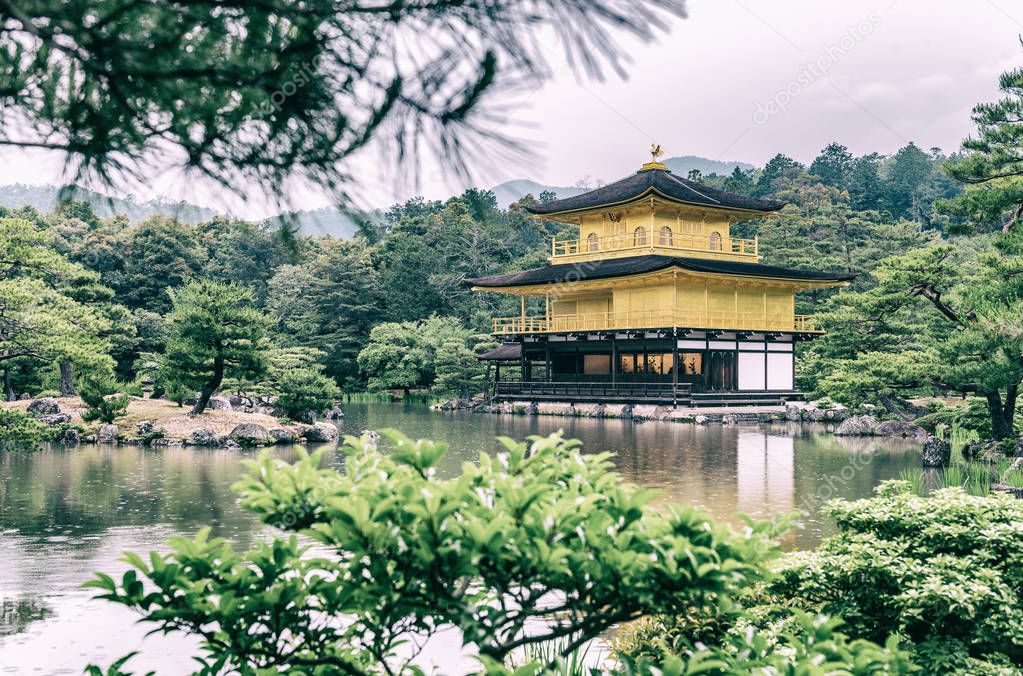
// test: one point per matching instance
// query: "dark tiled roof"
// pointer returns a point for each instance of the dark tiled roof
(655, 180)
(635, 265)
(507, 352)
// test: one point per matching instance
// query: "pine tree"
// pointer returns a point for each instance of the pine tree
(833, 166)
(215, 333)
(992, 163)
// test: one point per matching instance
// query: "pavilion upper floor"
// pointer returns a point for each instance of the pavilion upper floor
(654, 212)
(656, 292)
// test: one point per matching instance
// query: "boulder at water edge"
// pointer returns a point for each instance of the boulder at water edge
(321, 432)
(283, 435)
(936, 452)
(202, 436)
(107, 434)
(44, 406)
(249, 434)
(68, 437)
(857, 426)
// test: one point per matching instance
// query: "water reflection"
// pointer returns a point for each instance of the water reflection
(67, 513)
(16, 614)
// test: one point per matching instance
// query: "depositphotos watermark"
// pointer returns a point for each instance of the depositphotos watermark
(816, 69)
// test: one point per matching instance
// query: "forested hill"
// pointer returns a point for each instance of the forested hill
(44, 198)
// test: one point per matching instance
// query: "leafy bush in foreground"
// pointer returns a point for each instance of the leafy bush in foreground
(538, 535)
(945, 571)
(813, 648)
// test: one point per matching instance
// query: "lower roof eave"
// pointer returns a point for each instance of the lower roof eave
(681, 333)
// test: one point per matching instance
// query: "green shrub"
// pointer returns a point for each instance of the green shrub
(945, 571)
(813, 647)
(99, 392)
(973, 417)
(658, 637)
(20, 428)
(538, 536)
(302, 390)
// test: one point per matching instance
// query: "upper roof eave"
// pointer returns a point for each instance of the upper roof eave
(551, 216)
(661, 181)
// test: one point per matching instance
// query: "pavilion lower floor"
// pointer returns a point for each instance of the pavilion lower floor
(670, 366)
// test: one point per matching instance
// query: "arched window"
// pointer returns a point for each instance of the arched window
(665, 238)
(639, 236)
(714, 241)
(592, 242)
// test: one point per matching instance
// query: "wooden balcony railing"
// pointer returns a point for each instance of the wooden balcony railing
(595, 391)
(656, 319)
(653, 240)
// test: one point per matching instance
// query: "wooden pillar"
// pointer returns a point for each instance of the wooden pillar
(547, 360)
(614, 360)
(522, 362)
(522, 305)
(674, 367)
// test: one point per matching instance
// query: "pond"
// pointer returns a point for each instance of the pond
(65, 513)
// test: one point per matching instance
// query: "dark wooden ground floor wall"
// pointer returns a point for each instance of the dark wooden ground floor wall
(700, 363)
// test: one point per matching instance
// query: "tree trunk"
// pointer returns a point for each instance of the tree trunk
(8, 388)
(67, 379)
(1009, 409)
(210, 386)
(1001, 427)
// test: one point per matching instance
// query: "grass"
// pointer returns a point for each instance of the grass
(973, 477)
(366, 397)
(915, 477)
(548, 654)
(418, 397)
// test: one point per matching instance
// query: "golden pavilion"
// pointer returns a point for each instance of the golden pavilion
(655, 301)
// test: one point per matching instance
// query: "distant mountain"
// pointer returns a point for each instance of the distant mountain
(44, 199)
(325, 221)
(511, 191)
(686, 163)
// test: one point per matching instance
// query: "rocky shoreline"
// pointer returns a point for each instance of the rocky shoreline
(792, 412)
(151, 422)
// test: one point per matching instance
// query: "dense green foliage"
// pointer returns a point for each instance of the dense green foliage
(538, 532)
(433, 352)
(940, 318)
(19, 429)
(943, 571)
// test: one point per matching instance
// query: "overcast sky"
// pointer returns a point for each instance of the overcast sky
(736, 80)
